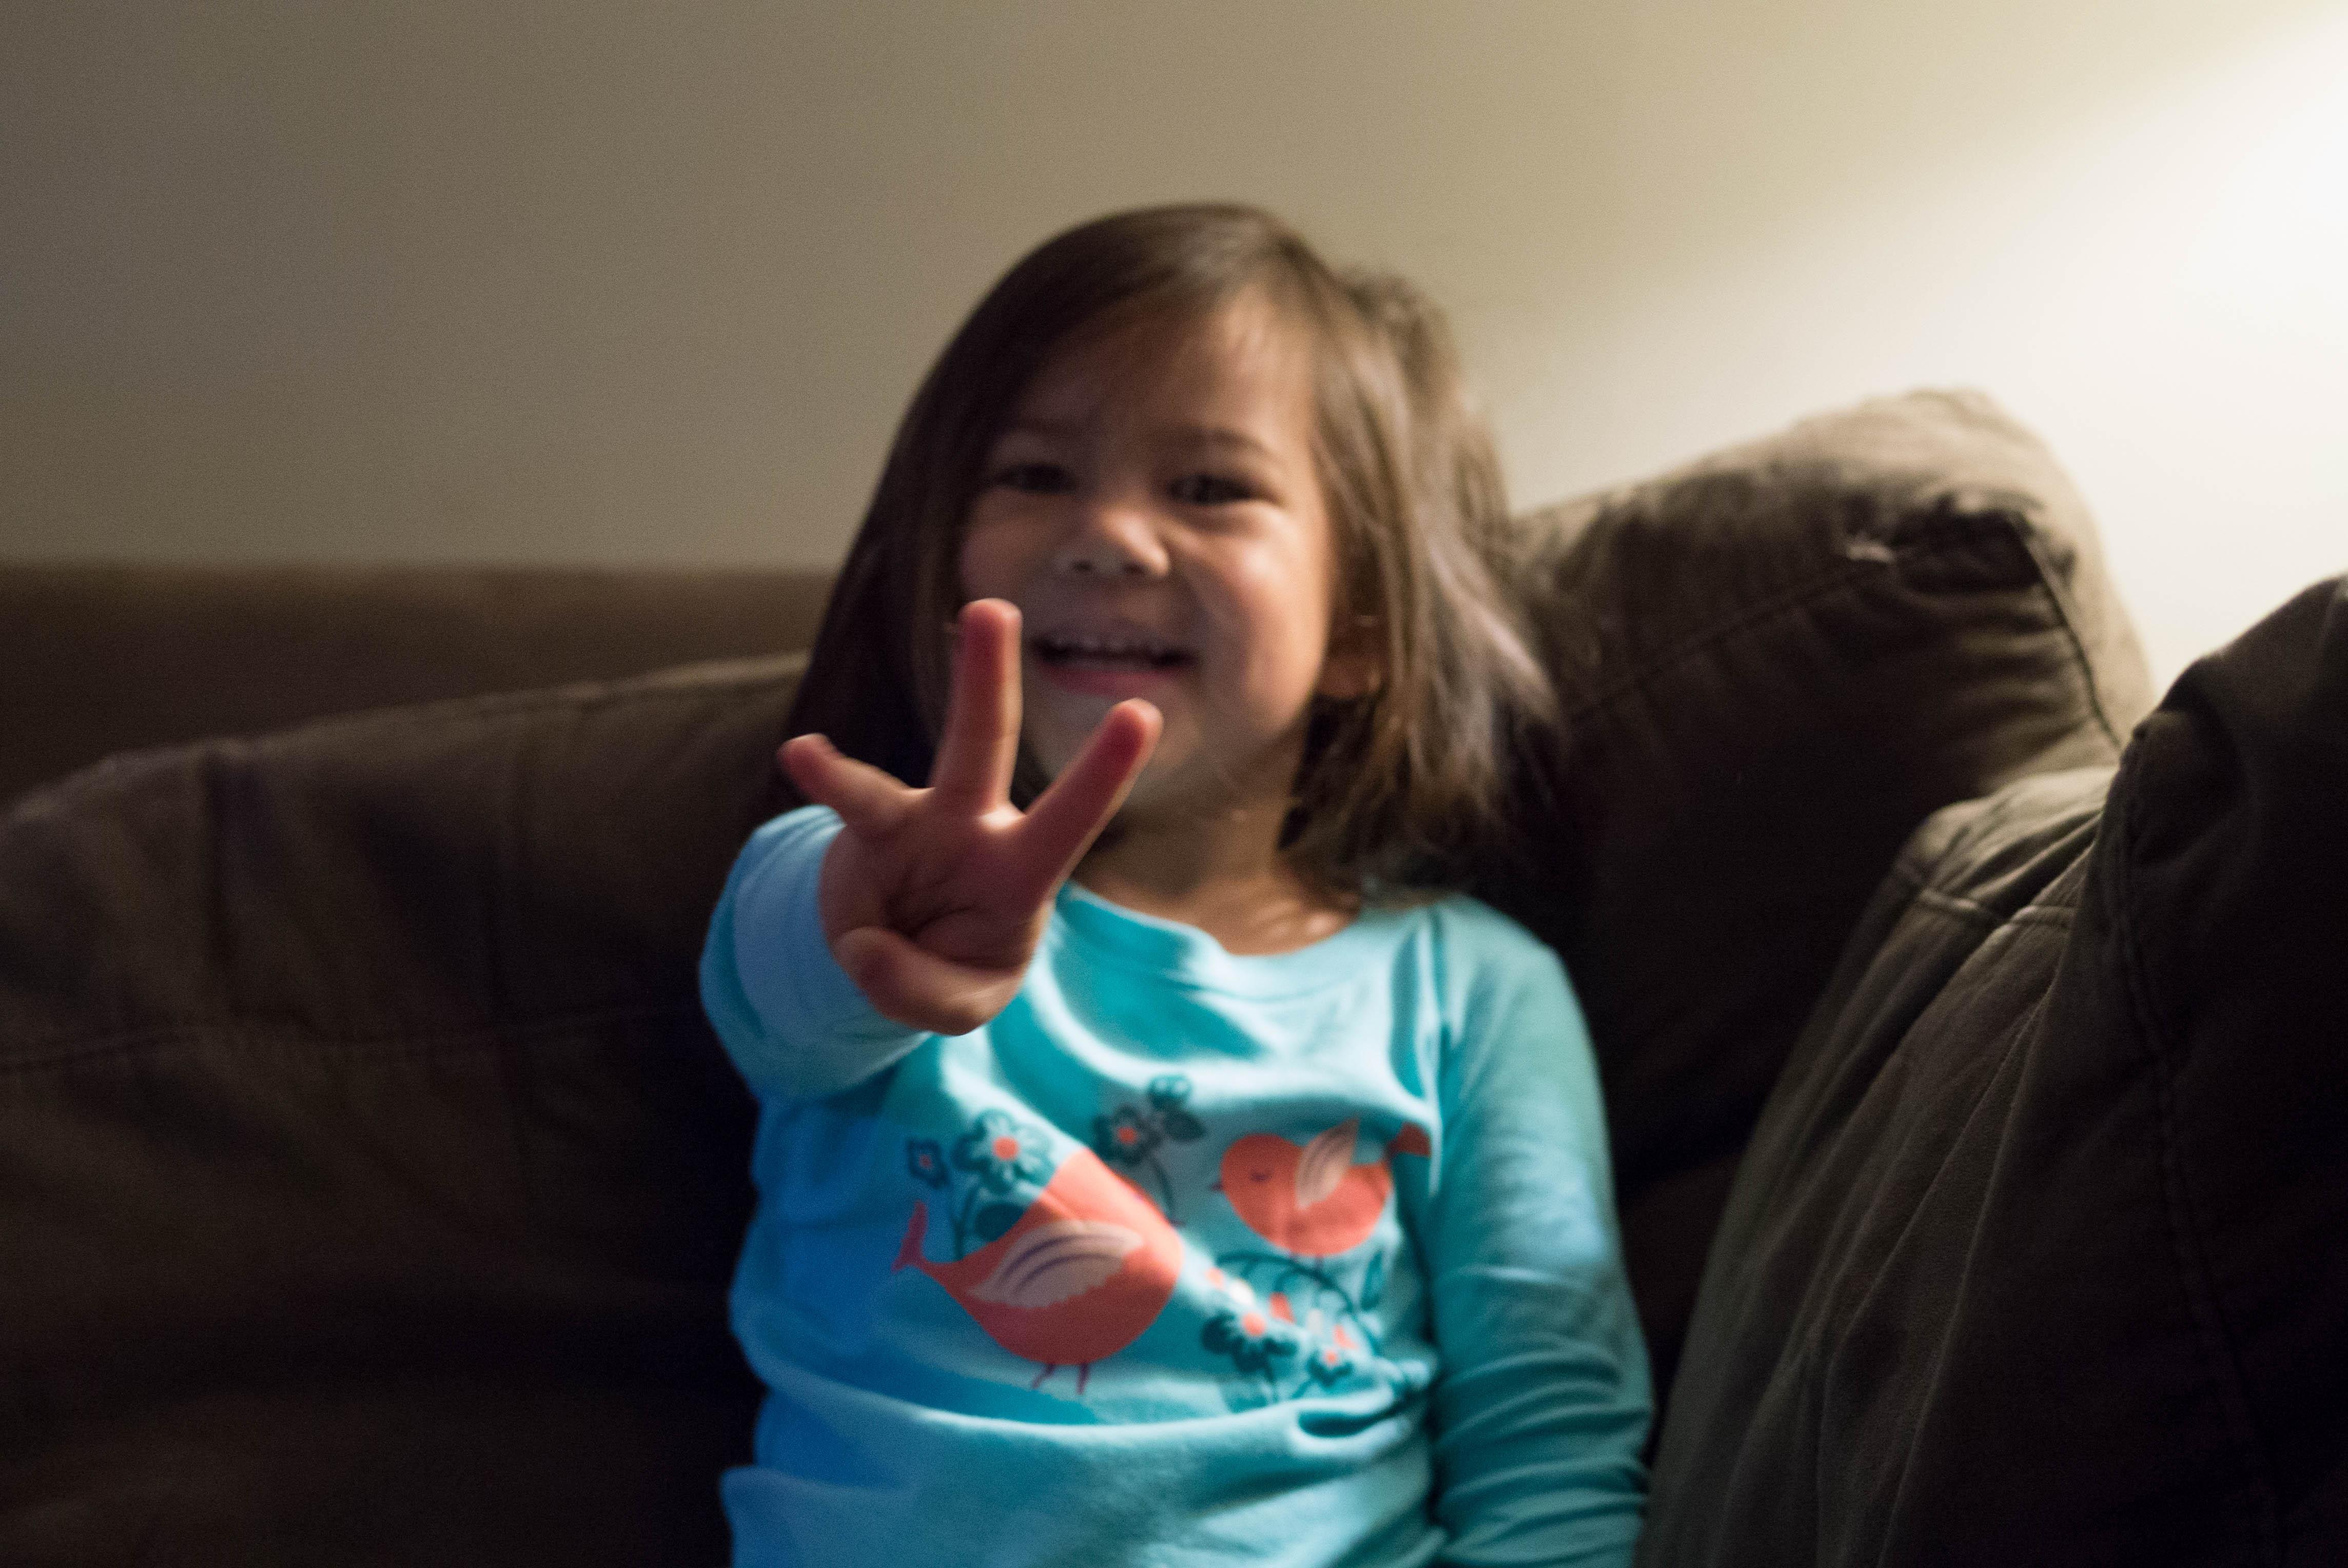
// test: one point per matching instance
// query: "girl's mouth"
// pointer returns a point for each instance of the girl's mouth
(1115, 665)
(1121, 654)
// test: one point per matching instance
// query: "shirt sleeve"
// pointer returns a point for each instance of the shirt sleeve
(793, 1021)
(1543, 1406)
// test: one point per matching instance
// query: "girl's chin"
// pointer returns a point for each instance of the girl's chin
(1059, 721)
(1060, 745)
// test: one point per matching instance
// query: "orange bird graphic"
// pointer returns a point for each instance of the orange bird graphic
(1076, 1279)
(1314, 1202)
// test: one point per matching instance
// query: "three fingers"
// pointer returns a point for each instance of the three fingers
(1031, 854)
(977, 754)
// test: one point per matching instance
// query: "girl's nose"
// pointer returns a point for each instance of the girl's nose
(1112, 541)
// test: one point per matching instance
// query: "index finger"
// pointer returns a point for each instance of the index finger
(981, 729)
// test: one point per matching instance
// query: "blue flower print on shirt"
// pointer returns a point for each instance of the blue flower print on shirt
(1130, 1136)
(1125, 1136)
(1251, 1337)
(1261, 1333)
(1001, 1152)
(927, 1161)
(1331, 1363)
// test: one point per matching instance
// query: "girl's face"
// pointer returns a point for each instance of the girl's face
(1153, 508)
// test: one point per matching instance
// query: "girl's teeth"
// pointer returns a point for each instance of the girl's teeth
(1066, 651)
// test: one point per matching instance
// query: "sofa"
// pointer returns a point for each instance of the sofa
(1971, 1029)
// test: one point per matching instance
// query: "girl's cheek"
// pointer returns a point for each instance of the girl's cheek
(996, 550)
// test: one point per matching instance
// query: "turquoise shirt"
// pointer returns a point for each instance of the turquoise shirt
(1184, 1258)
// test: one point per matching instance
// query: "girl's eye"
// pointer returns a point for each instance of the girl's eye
(1210, 489)
(1036, 479)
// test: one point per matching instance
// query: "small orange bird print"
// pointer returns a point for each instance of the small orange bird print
(1313, 1201)
(1079, 1275)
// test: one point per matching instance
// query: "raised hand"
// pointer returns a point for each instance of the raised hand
(933, 899)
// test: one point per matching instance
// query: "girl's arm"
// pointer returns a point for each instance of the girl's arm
(1542, 1407)
(790, 1018)
(845, 935)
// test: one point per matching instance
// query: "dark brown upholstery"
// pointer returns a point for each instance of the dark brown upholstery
(99, 659)
(1775, 664)
(371, 1182)
(2035, 1257)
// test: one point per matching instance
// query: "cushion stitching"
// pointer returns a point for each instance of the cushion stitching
(579, 696)
(1671, 659)
(1971, 911)
(1832, 1328)
(1843, 573)
(2015, 1039)
(576, 696)
(2050, 583)
(2201, 1288)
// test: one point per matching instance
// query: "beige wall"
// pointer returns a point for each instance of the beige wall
(585, 281)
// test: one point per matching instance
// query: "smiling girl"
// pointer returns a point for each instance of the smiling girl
(1156, 1167)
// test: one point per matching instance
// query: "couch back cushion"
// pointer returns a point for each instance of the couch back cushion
(1775, 663)
(97, 659)
(2035, 1257)
(369, 1181)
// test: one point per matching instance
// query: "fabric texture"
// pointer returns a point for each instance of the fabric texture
(1775, 664)
(2035, 1257)
(361, 1144)
(96, 660)
(369, 1180)
(1183, 1257)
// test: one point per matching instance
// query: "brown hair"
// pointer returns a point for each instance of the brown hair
(1397, 785)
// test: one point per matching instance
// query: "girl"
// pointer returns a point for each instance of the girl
(1163, 1173)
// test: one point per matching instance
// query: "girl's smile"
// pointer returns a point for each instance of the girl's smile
(1153, 507)
(1108, 657)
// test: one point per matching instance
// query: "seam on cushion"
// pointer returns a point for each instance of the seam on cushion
(1778, 604)
(2050, 581)
(1967, 910)
(2193, 1269)
(2016, 1035)
(1841, 574)
(1911, 871)
(579, 696)
(1825, 1336)
(399, 1045)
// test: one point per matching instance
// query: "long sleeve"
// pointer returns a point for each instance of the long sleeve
(793, 1021)
(1543, 1404)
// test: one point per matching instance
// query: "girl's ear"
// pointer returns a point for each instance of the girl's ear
(1352, 668)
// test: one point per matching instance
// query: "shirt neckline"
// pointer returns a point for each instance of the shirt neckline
(1187, 956)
